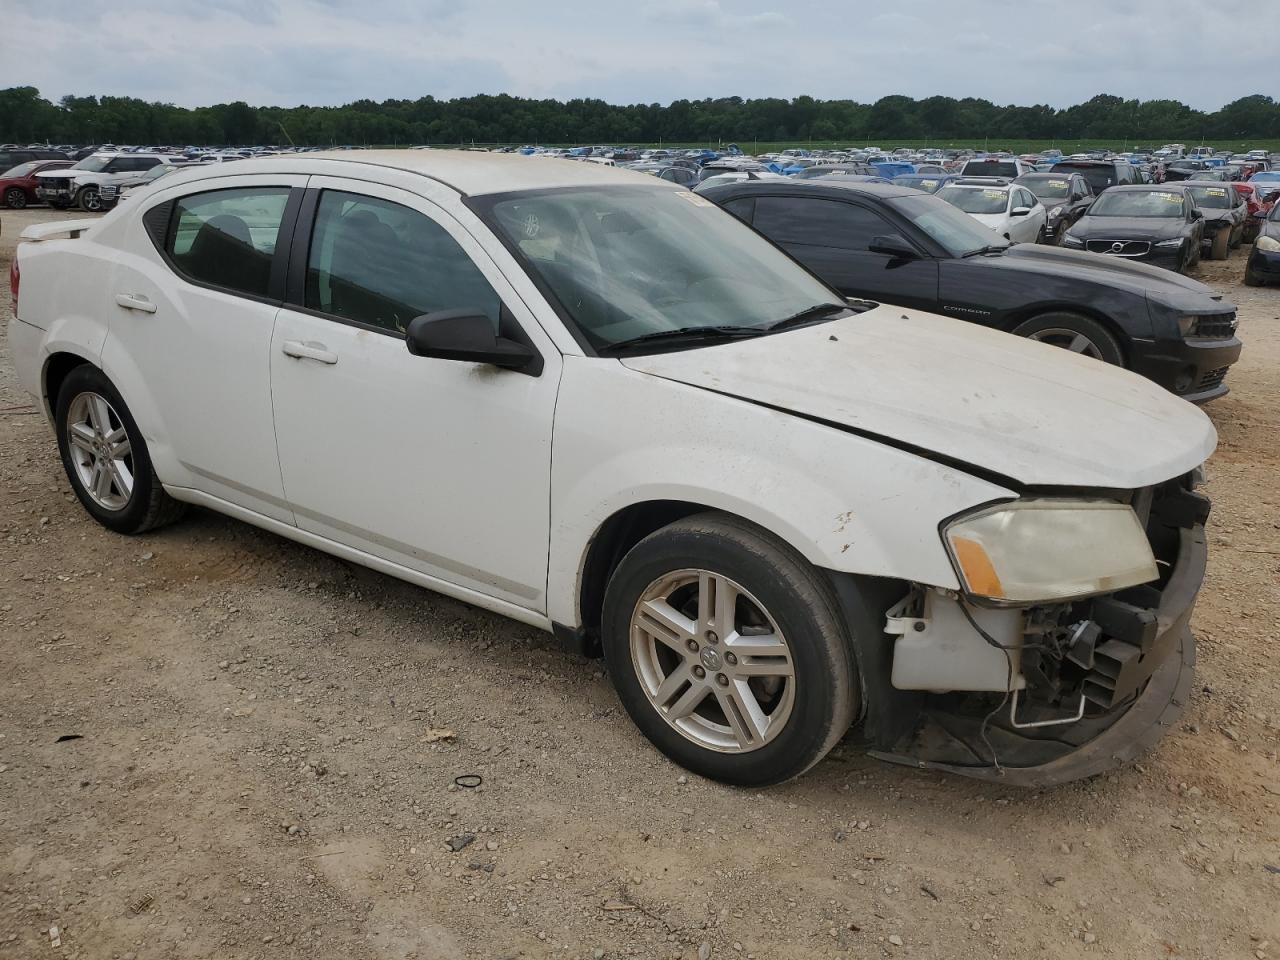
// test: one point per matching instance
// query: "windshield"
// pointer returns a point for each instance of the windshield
(21, 170)
(927, 184)
(1212, 197)
(92, 164)
(624, 262)
(1138, 203)
(971, 200)
(1051, 189)
(957, 233)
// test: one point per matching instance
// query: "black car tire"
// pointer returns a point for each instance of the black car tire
(148, 505)
(1104, 344)
(802, 605)
(1221, 248)
(15, 198)
(89, 199)
(1040, 237)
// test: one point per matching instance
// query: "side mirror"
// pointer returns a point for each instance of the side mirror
(894, 247)
(1197, 215)
(465, 335)
(1019, 211)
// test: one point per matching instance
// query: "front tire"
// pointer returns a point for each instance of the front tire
(15, 198)
(89, 199)
(106, 458)
(728, 651)
(1221, 248)
(1073, 332)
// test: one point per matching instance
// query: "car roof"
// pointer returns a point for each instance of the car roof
(829, 186)
(470, 173)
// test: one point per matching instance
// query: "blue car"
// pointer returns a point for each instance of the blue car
(893, 168)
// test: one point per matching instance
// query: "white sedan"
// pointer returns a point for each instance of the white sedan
(1010, 210)
(597, 403)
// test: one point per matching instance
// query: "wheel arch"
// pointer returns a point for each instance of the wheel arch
(57, 367)
(1016, 318)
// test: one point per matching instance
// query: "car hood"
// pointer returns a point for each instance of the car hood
(1129, 228)
(1083, 267)
(992, 220)
(1039, 415)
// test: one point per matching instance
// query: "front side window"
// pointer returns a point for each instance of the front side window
(956, 232)
(383, 264)
(821, 223)
(626, 262)
(227, 238)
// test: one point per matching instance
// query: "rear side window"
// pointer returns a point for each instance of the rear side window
(990, 168)
(821, 223)
(227, 238)
(382, 264)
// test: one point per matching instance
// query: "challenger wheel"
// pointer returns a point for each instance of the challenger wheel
(15, 198)
(106, 458)
(728, 651)
(1073, 332)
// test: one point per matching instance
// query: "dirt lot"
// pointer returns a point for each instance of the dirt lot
(260, 769)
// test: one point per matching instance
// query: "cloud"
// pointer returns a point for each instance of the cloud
(334, 51)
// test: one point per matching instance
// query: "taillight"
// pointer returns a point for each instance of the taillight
(15, 277)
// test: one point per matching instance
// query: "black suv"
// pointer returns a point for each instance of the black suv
(1101, 174)
(10, 158)
(897, 245)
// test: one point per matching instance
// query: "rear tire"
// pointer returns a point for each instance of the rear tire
(106, 458)
(1073, 332)
(15, 198)
(720, 585)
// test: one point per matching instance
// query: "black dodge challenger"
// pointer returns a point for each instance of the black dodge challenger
(896, 245)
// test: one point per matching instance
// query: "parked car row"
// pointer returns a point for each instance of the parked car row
(780, 510)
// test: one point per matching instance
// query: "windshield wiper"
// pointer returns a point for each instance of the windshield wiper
(705, 334)
(990, 248)
(816, 312)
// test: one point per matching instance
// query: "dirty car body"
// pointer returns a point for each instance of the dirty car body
(620, 415)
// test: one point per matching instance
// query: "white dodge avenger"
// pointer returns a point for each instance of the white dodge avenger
(597, 403)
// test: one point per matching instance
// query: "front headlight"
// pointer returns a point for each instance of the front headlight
(1176, 242)
(1269, 244)
(1069, 241)
(1037, 551)
(1055, 213)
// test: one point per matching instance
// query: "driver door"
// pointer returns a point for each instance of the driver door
(439, 466)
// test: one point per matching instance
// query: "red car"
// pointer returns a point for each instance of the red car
(1259, 204)
(18, 184)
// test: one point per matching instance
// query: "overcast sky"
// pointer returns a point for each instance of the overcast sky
(288, 52)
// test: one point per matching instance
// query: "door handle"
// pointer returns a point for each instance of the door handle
(308, 351)
(135, 301)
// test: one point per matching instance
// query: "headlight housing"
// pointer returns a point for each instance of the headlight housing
(1175, 242)
(1040, 551)
(1269, 244)
(1069, 241)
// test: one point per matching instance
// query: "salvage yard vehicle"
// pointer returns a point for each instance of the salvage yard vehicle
(12, 156)
(1015, 213)
(895, 245)
(1159, 225)
(18, 184)
(598, 404)
(119, 186)
(1066, 197)
(1101, 174)
(78, 185)
(1225, 213)
(1263, 265)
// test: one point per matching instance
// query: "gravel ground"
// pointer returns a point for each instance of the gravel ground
(266, 741)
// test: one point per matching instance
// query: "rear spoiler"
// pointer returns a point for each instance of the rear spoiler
(47, 231)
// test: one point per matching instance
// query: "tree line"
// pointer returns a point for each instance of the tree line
(27, 117)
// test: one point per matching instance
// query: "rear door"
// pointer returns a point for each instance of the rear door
(832, 237)
(193, 304)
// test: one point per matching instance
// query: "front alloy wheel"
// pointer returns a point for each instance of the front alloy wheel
(90, 199)
(711, 661)
(729, 650)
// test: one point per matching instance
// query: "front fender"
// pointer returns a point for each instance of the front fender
(847, 503)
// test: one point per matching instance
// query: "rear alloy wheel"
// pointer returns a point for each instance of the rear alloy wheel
(106, 458)
(89, 199)
(15, 198)
(1073, 332)
(727, 650)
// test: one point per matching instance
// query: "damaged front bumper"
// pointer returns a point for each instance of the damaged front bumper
(1137, 683)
